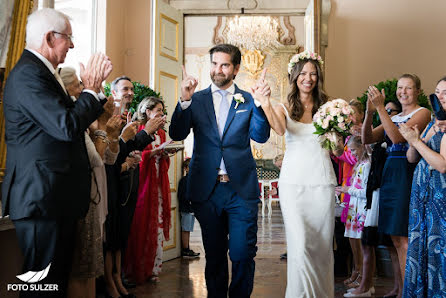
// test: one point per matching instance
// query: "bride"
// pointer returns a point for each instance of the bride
(307, 179)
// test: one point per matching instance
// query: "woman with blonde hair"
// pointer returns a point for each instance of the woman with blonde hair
(398, 171)
(151, 221)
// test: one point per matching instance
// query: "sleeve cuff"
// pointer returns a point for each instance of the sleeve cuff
(257, 103)
(92, 93)
(185, 104)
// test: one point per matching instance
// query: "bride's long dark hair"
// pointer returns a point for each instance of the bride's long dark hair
(319, 95)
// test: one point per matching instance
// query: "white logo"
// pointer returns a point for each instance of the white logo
(34, 276)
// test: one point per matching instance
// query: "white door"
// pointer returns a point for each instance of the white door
(167, 58)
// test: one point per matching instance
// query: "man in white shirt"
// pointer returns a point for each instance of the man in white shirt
(222, 184)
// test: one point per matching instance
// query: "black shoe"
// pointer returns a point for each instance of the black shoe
(284, 256)
(127, 284)
(190, 253)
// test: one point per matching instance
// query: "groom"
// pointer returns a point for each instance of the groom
(222, 182)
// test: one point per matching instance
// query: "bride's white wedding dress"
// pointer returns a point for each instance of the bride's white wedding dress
(306, 187)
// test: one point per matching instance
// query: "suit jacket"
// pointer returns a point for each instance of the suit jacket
(244, 123)
(47, 166)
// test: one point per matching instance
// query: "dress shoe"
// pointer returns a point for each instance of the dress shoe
(189, 253)
(365, 294)
(372, 290)
(127, 284)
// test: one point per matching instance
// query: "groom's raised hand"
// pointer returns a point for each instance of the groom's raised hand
(188, 85)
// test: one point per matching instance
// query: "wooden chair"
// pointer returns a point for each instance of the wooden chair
(274, 183)
(262, 195)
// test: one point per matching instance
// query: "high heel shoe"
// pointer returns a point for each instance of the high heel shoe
(350, 279)
(355, 283)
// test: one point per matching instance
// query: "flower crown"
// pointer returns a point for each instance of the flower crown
(305, 55)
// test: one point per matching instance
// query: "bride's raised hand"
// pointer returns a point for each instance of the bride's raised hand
(261, 90)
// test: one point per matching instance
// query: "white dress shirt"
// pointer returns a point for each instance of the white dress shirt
(216, 98)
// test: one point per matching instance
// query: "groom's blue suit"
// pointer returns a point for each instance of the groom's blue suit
(224, 208)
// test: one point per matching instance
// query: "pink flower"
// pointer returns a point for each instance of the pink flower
(325, 123)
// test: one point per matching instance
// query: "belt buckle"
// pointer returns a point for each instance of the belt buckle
(223, 178)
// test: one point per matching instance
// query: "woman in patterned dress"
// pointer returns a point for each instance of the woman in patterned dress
(426, 257)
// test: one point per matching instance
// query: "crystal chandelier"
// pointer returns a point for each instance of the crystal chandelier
(253, 32)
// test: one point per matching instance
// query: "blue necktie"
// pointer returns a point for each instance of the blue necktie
(222, 116)
(223, 112)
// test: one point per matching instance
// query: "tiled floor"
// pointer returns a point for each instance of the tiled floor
(185, 278)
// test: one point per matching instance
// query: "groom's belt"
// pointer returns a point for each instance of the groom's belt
(223, 178)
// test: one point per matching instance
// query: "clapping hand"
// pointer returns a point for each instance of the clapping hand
(441, 124)
(261, 90)
(97, 70)
(154, 124)
(136, 154)
(108, 112)
(188, 85)
(131, 162)
(114, 126)
(375, 97)
(411, 134)
(129, 131)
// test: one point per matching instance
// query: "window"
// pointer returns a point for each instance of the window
(83, 22)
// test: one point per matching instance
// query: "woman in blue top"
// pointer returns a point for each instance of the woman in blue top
(426, 258)
(397, 173)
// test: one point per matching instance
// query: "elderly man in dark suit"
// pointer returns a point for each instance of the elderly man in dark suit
(47, 184)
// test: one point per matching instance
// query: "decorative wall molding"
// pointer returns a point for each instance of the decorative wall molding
(252, 61)
(227, 7)
(242, 4)
(217, 39)
(290, 37)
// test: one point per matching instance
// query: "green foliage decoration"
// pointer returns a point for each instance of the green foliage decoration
(141, 91)
(389, 87)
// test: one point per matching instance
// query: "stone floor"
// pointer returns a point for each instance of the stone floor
(185, 278)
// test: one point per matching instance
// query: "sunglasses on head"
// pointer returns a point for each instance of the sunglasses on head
(390, 111)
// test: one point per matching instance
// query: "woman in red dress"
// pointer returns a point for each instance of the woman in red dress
(151, 221)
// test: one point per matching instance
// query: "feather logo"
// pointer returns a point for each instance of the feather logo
(34, 276)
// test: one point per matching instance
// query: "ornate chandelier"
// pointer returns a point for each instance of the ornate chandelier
(253, 32)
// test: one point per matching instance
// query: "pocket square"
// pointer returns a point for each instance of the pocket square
(241, 111)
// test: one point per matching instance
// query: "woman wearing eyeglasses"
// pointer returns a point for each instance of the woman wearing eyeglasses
(397, 174)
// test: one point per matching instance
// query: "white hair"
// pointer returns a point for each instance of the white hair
(42, 21)
(68, 75)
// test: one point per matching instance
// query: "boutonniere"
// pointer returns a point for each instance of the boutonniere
(238, 99)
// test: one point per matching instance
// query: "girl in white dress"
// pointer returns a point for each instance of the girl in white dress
(307, 180)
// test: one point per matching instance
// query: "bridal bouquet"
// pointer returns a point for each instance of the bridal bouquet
(333, 118)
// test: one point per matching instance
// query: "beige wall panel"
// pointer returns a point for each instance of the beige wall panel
(374, 40)
(169, 38)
